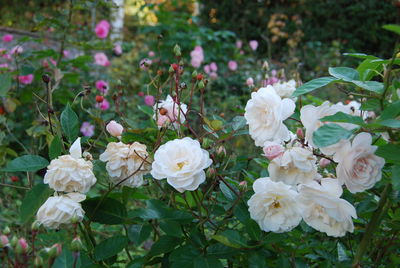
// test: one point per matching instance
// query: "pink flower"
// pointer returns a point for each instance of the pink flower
(149, 100)
(213, 67)
(101, 59)
(66, 53)
(232, 65)
(239, 43)
(197, 56)
(273, 150)
(323, 162)
(23, 244)
(16, 50)
(46, 63)
(8, 37)
(102, 29)
(4, 65)
(104, 105)
(241, 52)
(25, 79)
(145, 63)
(3, 241)
(102, 86)
(114, 128)
(151, 54)
(87, 129)
(213, 75)
(117, 49)
(207, 69)
(253, 45)
(250, 82)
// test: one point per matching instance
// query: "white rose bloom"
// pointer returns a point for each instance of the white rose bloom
(59, 210)
(265, 112)
(285, 89)
(310, 117)
(274, 206)
(358, 167)
(182, 162)
(324, 210)
(70, 173)
(125, 159)
(168, 111)
(296, 165)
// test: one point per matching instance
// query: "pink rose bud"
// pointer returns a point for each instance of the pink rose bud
(8, 37)
(300, 133)
(239, 43)
(102, 29)
(323, 162)
(102, 86)
(3, 241)
(151, 54)
(114, 128)
(149, 100)
(104, 105)
(24, 245)
(140, 93)
(250, 82)
(55, 250)
(273, 150)
(25, 79)
(232, 65)
(213, 67)
(117, 49)
(253, 44)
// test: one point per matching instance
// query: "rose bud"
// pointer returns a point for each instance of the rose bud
(99, 98)
(54, 251)
(14, 178)
(38, 262)
(76, 244)
(114, 128)
(273, 150)
(3, 241)
(323, 162)
(22, 246)
(300, 133)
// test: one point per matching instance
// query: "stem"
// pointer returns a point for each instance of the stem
(61, 52)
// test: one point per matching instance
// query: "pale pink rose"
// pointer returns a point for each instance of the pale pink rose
(239, 43)
(4, 65)
(145, 63)
(250, 82)
(273, 150)
(149, 100)
(323, 162)
(8, 37)
(151, 54)
(117, 49)
(3, 240)
(253, 45)
(25, 79)
(17, 50)
(102, 29)
(102, 86)
(213, 67)
(232, 65)
(115, 129)
(207, 69)
(213, 75)
(104, 105)
(101, 59)
(87, 129)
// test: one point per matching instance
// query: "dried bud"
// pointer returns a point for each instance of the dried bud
(88, 157)
(177, 50)
(159, 72)
(76, 244)
(99, 98)
(114, 97)
(221, 151)
(46, 78)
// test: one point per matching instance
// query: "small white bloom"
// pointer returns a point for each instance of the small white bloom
(168, 111)
(59, 210)
(265, 112)
(182, 162)
(70, 173)
(296, 165)
(125, 159)
(324, 210)
(274, 206)
(358, 167)
(310, 117)
(285, 89)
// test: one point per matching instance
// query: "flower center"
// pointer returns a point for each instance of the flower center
(181, 164)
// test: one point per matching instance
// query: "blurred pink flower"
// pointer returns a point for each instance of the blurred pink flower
(25, 79)
(213, 75)
(117, 49)
(4, 65)
(213, 67)
(151, 54)
(241, 52)
(102, 29)
(17, 50)
(207, 69)
(145, 63)
(239, 43)
(102, 86)
(87, 129)
(149, 100)
(253, 44)
(140, 93)
(3, 240)
(45, 63)
(197, 56)
(66, 53)
(232, 65)
(8, 37)
(101, 59)
(23, 244)
(250, 82)
(104, 105)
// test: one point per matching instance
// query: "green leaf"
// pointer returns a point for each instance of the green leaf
(227, 192)
(138, 233)
(391, 152)
(396, 177)
(231, 238)
(369, 68)
(313, 84)
(238, 122)
(109, 211)
(392, 27)
(172, 228)
(343, 118)
(344, 73)
(55, 148)
(373, 86)
(207, 262)
(330, 134)
(33, 200)
(26, 163)
(165, 244)
(110, 247)
(147, 110)
(5, 84)
(391, 111)
(360, 55)
(70, 124)
(392, 123)
(253, 229)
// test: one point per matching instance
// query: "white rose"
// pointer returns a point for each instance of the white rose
(358, 167)
(59, 210)
(324, 210)
(295, 165)
(265, 112)
(285, 89)
(182, 162)
(123, 160)
(274, 206)
(310, 117)
(168, 111)
(70, 173)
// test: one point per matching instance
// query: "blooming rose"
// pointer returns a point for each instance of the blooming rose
(285, 89)
(358, 168)
(70, 173)
(295, 165)
(310, 117)
(123, 160)
(25, 79)
(87, 129)
(273, 150)
(149, 100)
(274, 206)
(102, 29)
(59, 210)
(168, 111)
(8, 37)
(114, 128)
(101, 59)
(265, 112)
(324, 210)
(182, 162)
(102, 86)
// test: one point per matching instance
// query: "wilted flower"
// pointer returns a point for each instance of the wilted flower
(102, 86)
(101, 59)
(25, 79)
(232, 65)
(168, 111)
(253, 44)
(114, 128)
(8, 37)
(102, 29)
(87, 129)
(182, 163)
